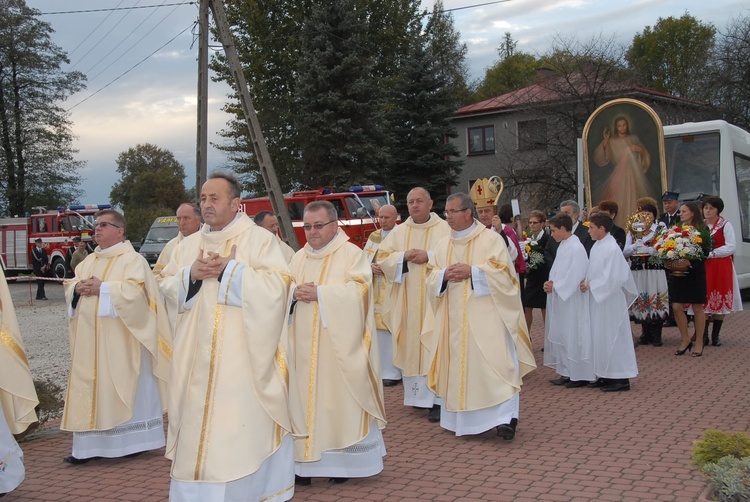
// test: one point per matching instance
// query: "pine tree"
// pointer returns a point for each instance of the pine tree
(419, 118)
(338, 123)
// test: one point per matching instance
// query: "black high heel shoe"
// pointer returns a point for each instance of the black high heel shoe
(697, 354)
(681, 352)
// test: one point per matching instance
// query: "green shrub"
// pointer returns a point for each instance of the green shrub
(731, 478)
(718, 444)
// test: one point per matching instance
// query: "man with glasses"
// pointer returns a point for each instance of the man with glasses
(480, 349)
(233, 408)
(403, 258)
(332, 330)
(387, 216)
(120, 350)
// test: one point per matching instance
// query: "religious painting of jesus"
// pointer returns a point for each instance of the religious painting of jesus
(623, 146)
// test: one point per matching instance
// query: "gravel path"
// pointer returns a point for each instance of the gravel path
(44, 329)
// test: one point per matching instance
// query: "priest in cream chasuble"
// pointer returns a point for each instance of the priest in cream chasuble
(120, 346)
(332, 330)
(232, 406)
(387, 216)
(17, 394)
(403, 258)
(479, 342)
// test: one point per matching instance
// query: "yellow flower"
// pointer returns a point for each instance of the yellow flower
(586, 223)
(528, 248)
(697, 239)
(669, 245)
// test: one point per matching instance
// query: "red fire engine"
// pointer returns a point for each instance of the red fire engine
(356, 209)
(56, 229)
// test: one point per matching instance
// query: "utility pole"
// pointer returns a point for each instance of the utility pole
(201, 153)
(253, 125)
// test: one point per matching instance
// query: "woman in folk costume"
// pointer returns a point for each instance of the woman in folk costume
(17, 394)
(722, 288)
(651, 307)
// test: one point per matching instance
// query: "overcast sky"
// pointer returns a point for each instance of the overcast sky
(155, 101)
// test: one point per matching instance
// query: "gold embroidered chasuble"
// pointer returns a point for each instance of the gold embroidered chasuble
(472, 367)
(338, 365)
(378, 281)
(106, 351)
(17, 394)
(231, 402)
(407, 304)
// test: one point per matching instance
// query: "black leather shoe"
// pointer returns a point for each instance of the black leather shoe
(617, 386)
(575, 384)
(507, 431)
(302, 481)
(338, 481)
(434, 415)
(560, 381)
(75, 461)
(390, 383)
(600, 382)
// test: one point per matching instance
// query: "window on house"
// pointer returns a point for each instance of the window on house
(532, 134)
(481, 140)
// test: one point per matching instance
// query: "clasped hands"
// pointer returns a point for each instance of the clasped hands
(89, 287)
(417, 256)
(307, 292)
(210, 266)
(457, 272)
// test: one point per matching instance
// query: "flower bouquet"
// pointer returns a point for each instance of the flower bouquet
(676, 246)
(534, 255)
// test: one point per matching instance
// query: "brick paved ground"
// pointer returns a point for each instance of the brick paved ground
(572, 444)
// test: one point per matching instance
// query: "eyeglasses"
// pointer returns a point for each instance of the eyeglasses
(105, 224)
(317, 226)
(454, 211)
(534, 222)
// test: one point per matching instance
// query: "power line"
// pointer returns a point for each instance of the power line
(474, 6)
(93, 31)
(96, 45)
(132, 46)
(130, 69)
(117, 8)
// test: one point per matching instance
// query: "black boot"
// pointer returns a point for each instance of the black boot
(705, 333)
(646, 337)
(715, 333)
(656, 332)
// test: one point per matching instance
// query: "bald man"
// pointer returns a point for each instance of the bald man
(403, 257)
(270, 222)
(387, 216)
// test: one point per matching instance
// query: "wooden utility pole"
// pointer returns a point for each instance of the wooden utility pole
(201, 153)
(253, 125)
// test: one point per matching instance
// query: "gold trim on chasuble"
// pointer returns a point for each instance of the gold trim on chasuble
(464, 322)
(421, 284)
(313, 364)
(14, 348)
(217, 337)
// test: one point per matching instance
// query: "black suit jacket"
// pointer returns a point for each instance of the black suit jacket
(619, 234)
(670, 220)
(39, 259)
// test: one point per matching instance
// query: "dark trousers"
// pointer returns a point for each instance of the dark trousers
(40, 289)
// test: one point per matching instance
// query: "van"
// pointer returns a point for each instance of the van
(163, 230)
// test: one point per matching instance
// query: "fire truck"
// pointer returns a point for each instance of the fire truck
(356, 209)
(56, 229)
